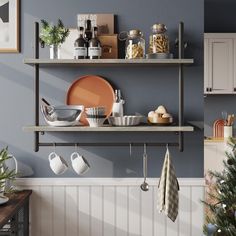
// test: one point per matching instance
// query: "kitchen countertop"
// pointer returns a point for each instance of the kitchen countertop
(212, 139)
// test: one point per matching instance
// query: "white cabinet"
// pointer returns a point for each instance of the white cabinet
(219, 69)
(214, 154)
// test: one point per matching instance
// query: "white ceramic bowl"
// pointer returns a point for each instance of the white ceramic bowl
(95, 122)
(125, 120)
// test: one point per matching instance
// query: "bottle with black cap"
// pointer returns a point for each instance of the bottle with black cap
(88, 34)
(80, 49)
(94, 50)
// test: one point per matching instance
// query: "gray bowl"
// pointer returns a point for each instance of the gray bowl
(62, 115)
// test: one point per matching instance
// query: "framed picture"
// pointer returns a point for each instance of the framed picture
(9, 26)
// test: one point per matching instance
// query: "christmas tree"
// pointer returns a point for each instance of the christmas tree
(221, 217)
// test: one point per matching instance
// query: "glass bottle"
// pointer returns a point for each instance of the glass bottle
(88, 34)
(135, 45)
(80, 50)
(159, 41)
(94, 50)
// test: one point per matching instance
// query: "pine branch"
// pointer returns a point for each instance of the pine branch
(44, 23)
(60, 24)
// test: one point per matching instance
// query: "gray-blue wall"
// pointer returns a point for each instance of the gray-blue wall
(143, 88)
(219, 18)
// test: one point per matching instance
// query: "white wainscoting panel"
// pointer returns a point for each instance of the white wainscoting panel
(110, 207)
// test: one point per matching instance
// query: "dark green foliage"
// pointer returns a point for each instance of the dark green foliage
(53, 34)
(223, 208)
(5, 173)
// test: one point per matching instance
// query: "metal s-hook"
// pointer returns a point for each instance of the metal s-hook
(76, 147)
(145, 148)
(54, 147)
(130, 149)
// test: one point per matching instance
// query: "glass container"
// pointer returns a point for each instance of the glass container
(159, 41)
(135, 45)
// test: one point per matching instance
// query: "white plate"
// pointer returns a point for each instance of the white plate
(3, 200)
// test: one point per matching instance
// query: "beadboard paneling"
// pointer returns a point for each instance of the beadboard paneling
(110, 207)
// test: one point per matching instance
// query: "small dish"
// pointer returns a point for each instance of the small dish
(125, 120)
(3, 200)
(95, 122)
(160, 121)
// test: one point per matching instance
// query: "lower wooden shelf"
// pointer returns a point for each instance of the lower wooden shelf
(109, 129)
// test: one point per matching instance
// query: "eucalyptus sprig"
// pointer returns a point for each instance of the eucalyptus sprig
(5, 173)
(53, 34)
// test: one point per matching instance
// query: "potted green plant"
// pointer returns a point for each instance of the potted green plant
(6, 175)
(53, 36)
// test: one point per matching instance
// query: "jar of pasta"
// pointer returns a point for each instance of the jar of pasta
(159, 41)
(135, 45)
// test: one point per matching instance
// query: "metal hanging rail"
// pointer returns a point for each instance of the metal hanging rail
(107, 144)
(37, 142)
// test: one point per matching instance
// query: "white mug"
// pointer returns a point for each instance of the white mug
(57, 163)
(79, 163)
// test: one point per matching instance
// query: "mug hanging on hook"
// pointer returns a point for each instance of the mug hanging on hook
(78, 162)
(57, 162)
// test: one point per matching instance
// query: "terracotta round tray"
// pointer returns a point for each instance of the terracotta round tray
(91, 91)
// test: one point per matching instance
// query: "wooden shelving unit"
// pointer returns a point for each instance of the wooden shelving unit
(180, 128)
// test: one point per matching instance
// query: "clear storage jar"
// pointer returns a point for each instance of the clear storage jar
(135, 45)
(158, 41)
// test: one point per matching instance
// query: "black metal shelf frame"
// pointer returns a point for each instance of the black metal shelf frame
(180, 142)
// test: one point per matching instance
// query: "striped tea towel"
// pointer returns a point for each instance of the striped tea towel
(168, 187)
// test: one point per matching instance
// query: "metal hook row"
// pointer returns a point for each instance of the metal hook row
(76, 145)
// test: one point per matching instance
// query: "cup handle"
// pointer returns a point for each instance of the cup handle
(52, 155)
(74, 155)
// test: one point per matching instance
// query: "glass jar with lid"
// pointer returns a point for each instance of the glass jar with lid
(159, 41)
(135, 45)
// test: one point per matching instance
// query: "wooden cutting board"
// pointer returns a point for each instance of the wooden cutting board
(218, 129)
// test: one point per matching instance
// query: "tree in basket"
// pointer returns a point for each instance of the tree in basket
(221, 219)
(53, 36)
(5, 173)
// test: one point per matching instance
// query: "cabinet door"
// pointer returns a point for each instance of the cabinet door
(214, 154)
(206, 63)
(234, 67)
(220, 66)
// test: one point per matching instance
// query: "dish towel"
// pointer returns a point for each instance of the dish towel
(168, 189)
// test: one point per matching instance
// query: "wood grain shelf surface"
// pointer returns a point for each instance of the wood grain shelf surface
(106, 62)
(109, 129)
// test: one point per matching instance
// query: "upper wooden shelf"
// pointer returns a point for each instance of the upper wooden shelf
(110, 129)
(106, 62)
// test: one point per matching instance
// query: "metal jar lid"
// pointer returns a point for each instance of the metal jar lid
(135, 32)
(159, 28)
